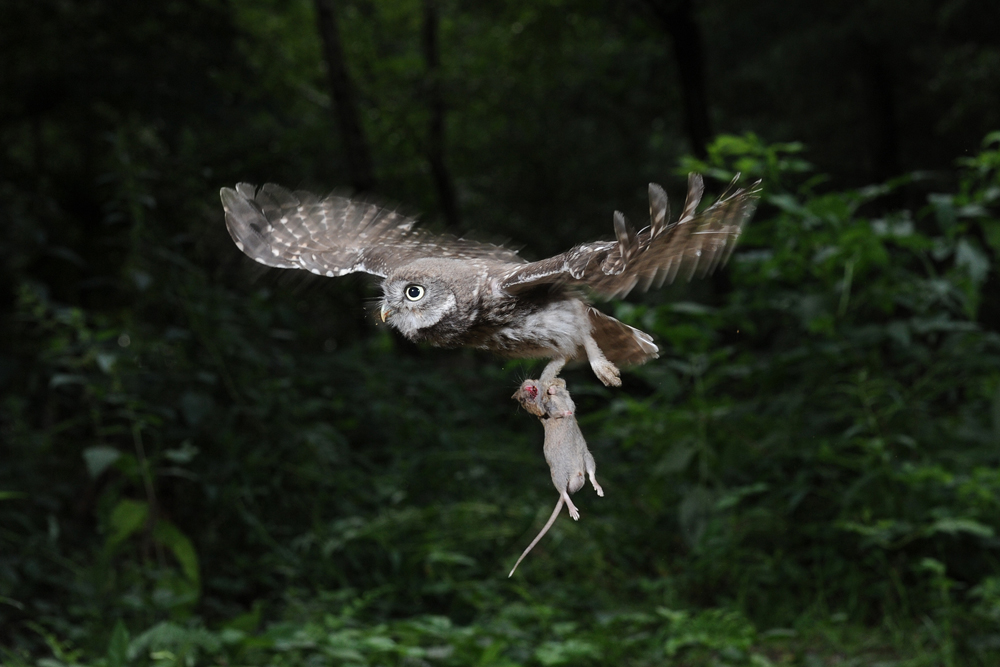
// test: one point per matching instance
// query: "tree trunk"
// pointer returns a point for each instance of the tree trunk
(359, 159)
(879, 107)
(436, 131)
(677, 18)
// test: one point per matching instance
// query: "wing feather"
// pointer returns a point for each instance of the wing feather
(696, 244)
(334, 235)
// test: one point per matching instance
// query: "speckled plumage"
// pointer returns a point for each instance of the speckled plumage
(486, 296)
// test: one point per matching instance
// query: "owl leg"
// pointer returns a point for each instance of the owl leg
(605, 371)
(551, 371)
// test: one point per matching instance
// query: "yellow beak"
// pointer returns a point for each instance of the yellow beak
(384, 313)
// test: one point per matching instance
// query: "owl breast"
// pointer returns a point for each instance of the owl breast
(552, 328)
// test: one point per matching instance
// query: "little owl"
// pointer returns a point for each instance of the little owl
(455, 292)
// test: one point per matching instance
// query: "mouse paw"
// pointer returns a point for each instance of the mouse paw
(555, 385)
(571, 508)
(597, 487)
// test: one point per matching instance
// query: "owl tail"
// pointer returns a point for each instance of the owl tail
(621, 344)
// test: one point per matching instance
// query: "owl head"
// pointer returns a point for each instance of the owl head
(416, 304)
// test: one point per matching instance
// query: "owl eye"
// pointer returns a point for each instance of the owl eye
(414, 292)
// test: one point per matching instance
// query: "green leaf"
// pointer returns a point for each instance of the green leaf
(675, 460)
(971, 258)
(732, 497)
(118, 647)
(932, 565)
(248, 622)
(694, 512)
(450, 558)
(183, 454)
(565, 652)
(99, 458)
(127, 517)
(171, 537)
(195, 406)
(952, 526)
(106, 361)
(60, 379)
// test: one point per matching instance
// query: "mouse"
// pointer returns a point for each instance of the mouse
(565, 449)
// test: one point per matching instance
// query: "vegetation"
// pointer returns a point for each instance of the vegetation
(204, 463)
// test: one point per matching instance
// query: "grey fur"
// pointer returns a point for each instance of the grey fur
(565, 449)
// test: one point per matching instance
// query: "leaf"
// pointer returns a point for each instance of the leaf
(952, 526)
(195, 406)
(127, 517)
(566, 652)
(165, 636)
(932, 565)
(449, 558)
(247, 622)
(378, 643)
(99, 458)
(995, 414)
(694, 512)
(118, 646)
(183, 454)
(106, 361)
(732, 497)
(171, 537)
(716, 629)
(60, 379)
(675, 460)
(991, 230)
(972, 259)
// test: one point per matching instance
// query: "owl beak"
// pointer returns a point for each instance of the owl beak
(385, 312)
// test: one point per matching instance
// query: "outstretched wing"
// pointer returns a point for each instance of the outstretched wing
(334, 236)
(695, 244)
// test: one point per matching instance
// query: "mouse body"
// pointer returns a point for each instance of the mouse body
(570, 462)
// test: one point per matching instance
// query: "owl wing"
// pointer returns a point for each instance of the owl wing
(695, 244)
(334, 236)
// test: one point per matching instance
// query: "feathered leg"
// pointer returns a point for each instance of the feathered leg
(551, 371)
(605, 371)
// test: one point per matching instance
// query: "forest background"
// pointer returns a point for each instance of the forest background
(203, 462)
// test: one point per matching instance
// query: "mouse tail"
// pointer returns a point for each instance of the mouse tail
(541, 534)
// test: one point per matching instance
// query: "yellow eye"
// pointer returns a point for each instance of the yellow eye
(414, 292)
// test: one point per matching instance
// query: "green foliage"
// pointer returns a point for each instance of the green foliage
(810, 468)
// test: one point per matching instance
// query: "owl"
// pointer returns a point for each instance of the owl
(453, 292)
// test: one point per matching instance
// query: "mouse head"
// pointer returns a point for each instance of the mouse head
(530, 397)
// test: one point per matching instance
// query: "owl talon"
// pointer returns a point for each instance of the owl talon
(606, 372)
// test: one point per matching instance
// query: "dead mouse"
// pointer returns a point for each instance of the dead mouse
(565, 449)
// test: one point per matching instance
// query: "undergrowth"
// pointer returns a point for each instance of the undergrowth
(209, 471)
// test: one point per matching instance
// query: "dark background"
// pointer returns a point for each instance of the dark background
(203, 461)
